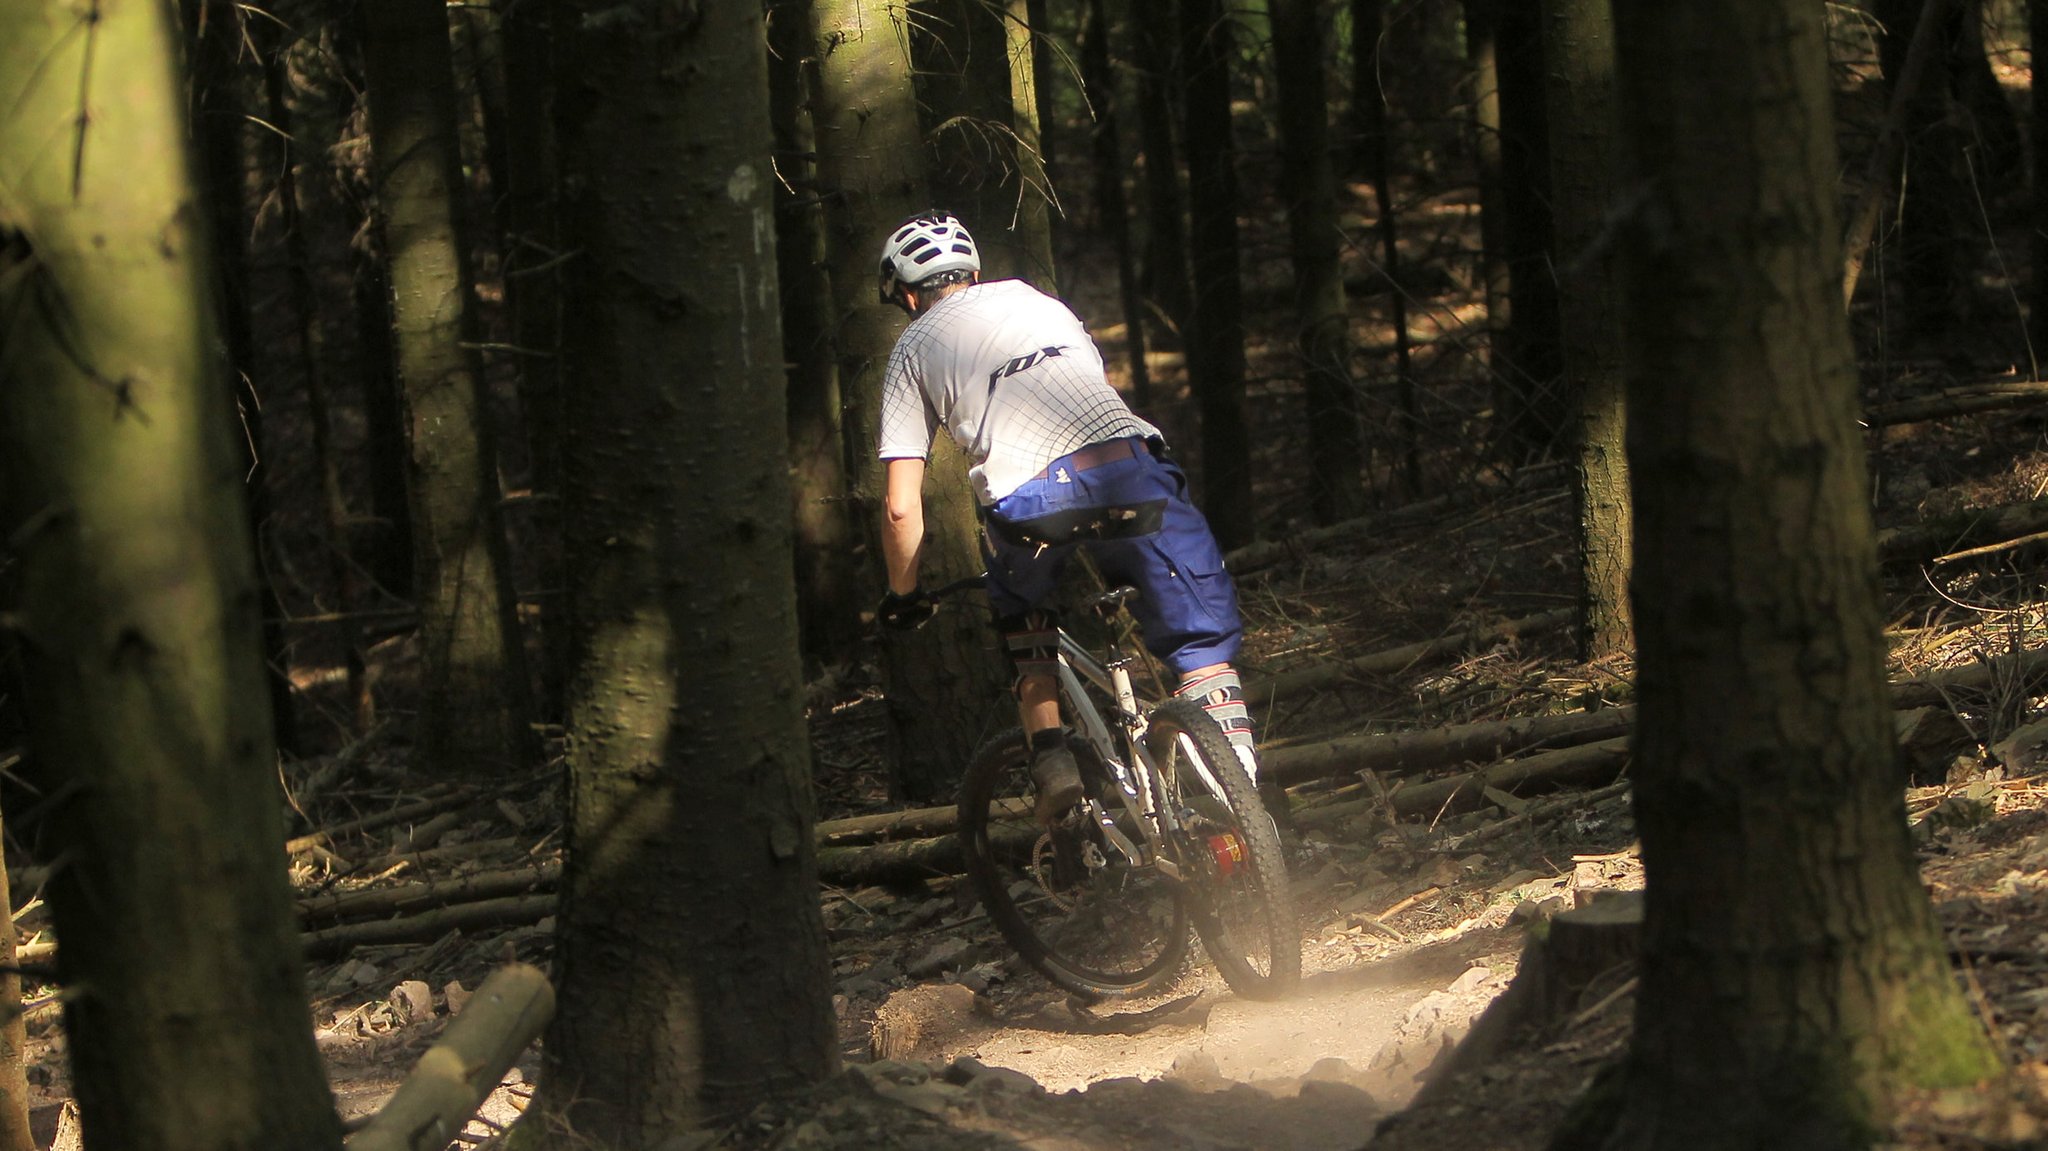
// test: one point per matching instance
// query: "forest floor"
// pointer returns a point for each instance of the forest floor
(1411, 927)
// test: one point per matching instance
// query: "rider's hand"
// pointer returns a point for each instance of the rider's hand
(904, 612)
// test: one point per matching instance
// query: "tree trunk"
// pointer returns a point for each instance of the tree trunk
(1034, 197)
(1373, 158)
(1215, 347)
(1579, 45)
(473, 701)
(1530, 404)
(141, 643)
(282, 155)
(1166, 249)
(1112, 210)
(2037, 311)
(1931, 222)
(515, 48)
(827, 563)
(691, 951)
(14, 1130)
(1482, 48)
(945, 681)
(1309, 185)
(1794, 979)
(217, 120)
(962, 50)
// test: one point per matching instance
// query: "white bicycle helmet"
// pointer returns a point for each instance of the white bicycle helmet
(926, 245)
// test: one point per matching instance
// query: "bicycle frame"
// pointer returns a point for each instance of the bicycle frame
(1155, 821)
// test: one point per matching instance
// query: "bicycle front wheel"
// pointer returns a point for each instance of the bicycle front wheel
(1075, 907)
(1230, 854)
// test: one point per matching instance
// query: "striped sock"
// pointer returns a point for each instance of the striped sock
(1221, 694)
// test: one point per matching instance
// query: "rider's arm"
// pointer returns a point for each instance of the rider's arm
(902, 521)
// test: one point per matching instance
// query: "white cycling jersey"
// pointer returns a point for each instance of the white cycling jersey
(1011, 374)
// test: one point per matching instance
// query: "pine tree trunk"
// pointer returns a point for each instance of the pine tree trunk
(2037, 311)
(1793, 975)
(1931, 205)
(282, 155)
(1309, 184)
(1112, 209)
(1373, 158)
(1530, 404)
(946, 685)
(1482, 47)
(1215, 350)
(1033, 195)
(138, 610)
(693, 972)
(474, 697)
(1579, 45)
(217, 131)
(513, 58)
(828, 582)
(14, 1129)
(1166, 248)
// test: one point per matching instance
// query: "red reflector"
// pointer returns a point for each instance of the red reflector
(1229, 853)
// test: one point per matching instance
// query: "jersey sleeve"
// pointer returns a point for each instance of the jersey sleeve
(908, 421)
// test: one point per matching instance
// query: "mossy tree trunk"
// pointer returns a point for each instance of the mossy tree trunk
(691, 951)
(1793, 975)
(474, 697)
(141, 644)
(946, 684)
(1323, 334)
(1579, 44)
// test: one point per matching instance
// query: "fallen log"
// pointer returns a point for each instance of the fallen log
(1917, 543)
(910, 860)
(1959, 402)
(2024, 671)
(425, 807)
(412, 898)
(1415, 751)
(1261, 693)
(458, 1072)
(509, 911)
(1593, 764)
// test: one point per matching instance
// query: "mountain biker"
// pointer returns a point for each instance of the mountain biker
(1058, 461)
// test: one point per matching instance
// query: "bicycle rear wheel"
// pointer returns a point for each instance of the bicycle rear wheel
(1230, 854)
(1073, 906)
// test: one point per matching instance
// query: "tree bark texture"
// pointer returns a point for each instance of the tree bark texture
(2037, 311)
(826, 538)
(945, 681)
(1166, 281)
(1112, 206)
(14, 1099)
(691, 951)
(1793, 975)
(140, 640)
(1931, 206)
(217, 119)
(965, 87)
(1530, 403)
(1032, 211)
(1215, 347)
(474, 696)
(1578, 43)
(1323, 333)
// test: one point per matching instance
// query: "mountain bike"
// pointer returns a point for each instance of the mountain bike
(1169, 841)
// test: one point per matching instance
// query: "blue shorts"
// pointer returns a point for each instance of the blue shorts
(1186, 604)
